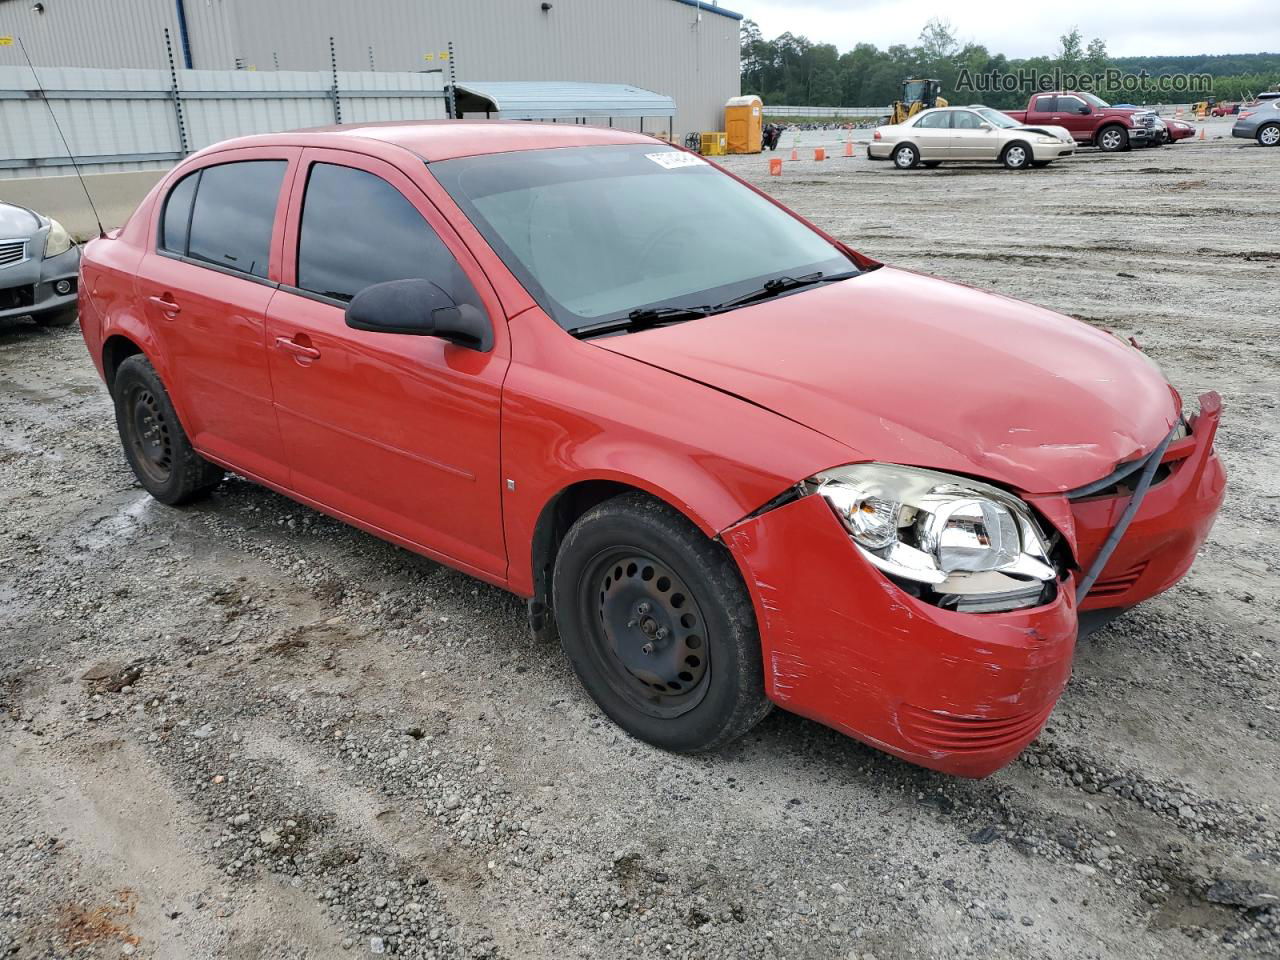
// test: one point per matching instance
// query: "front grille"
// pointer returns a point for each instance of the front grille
(12, 252)
(935, 730)
(15, 297)
(1120, 583)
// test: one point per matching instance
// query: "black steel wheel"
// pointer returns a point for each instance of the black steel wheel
(658, 625)
(653, 651)
(148, 433)
(155, 444)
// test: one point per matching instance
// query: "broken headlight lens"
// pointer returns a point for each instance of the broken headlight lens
(958, 536)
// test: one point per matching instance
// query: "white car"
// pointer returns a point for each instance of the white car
(969, 133)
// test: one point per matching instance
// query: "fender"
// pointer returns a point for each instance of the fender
(575, 414)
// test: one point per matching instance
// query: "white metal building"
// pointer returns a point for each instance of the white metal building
(684, 49)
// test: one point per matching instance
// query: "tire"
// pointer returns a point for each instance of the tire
(57, 318)
(155, 444)
(1113, 139)
(905, 156)
(658, 626)
(931, 164)
(1269, 135)
(1016, 156)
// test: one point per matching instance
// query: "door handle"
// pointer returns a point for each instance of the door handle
(166, 305)
(299, 350)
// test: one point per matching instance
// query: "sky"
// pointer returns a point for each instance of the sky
(1018, 28)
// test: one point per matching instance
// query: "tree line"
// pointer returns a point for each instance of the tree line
(794, 70)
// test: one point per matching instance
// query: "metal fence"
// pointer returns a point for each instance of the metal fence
(852, 113)
(122, 120)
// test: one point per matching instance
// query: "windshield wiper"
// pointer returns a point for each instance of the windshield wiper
(642, 319)
(781, 285)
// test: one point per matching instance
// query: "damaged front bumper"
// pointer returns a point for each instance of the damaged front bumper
(963, 693)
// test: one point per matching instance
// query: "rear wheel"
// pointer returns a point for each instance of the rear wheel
(1016, 156)
(1269, 136)
(658, 625)
(905, 156)
(155, 444)
(1112, 139)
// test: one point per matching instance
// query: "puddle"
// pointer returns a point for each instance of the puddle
(107, 530)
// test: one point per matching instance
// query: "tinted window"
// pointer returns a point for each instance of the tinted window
(358, 230)
(233, 213)
(1069, 104)
(935, 121)
(177, 214)
(964, 120)
(1046, 104)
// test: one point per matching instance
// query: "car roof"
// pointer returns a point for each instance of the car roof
(443, 139)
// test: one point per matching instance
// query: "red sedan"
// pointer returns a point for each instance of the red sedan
(730, 461)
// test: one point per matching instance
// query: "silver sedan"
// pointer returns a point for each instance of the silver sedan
(38, 266)
(969, 133)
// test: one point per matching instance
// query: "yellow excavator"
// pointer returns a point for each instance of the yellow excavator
(917, 95)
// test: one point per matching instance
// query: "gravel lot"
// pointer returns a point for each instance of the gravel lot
(244, 730)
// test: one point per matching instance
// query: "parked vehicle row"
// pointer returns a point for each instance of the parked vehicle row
(602, 373)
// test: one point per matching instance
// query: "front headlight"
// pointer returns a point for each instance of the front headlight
(57, 240)
(1047, 139)
(972, 545)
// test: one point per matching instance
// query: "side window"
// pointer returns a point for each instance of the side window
(234, 209)
(965, 120)
(1069, 104)
(177, 215)
(1046, 104)
(935, 121)
(358, 230)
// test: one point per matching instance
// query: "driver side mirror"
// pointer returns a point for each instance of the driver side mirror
(985, 126)
(1084, 111)
(419, 308)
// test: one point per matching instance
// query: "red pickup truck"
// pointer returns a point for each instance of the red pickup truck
(1092, 120)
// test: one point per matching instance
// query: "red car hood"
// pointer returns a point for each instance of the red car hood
(908, 369)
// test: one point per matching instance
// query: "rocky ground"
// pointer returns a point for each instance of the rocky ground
(244, 730)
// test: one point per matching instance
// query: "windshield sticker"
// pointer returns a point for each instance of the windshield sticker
(674, 159)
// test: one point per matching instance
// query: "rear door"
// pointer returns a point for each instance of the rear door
(395, 431)
(969, 141)
(932, 134)
(204, 284)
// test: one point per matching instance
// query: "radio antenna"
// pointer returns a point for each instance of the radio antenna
(62, 136)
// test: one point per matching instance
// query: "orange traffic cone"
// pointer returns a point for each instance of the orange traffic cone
(848, 148)
(819, 154)
(795, 154)
(1202, 133)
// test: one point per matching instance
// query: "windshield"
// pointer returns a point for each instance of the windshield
(595, 233)
(996, 118)
(1096, 101)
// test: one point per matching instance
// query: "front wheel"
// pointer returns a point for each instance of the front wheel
(1269, 136)
(155, 444)
(1113, 139)
(1017, 156)
(905, 157)
(658, 626)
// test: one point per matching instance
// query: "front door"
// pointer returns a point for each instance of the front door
(396, 431)
(205, 286)
(969, 141)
